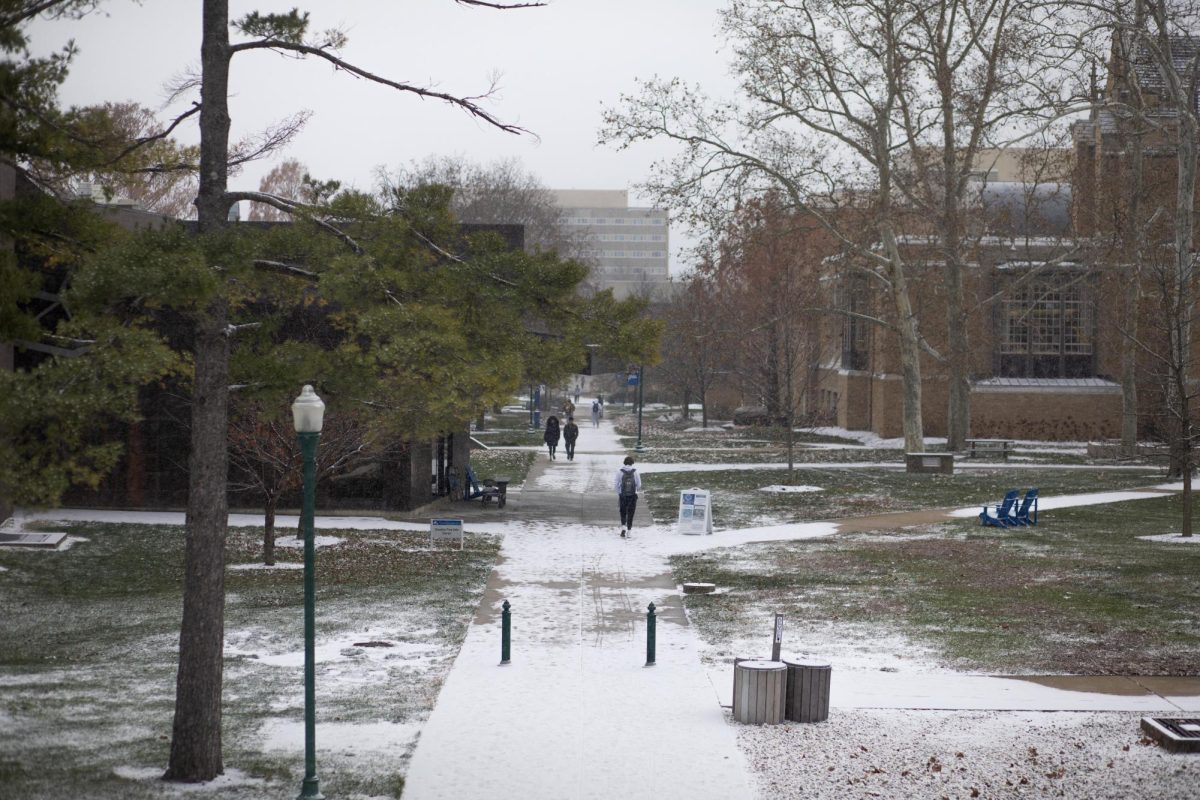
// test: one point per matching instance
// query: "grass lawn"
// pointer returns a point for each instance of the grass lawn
(1078, 594)
(738, 501)
(88, 653)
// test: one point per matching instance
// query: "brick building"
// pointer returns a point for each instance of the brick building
(1048, 274)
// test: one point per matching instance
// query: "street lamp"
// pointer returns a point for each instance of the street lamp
(308, 412)
(637, 448)
(532, 428)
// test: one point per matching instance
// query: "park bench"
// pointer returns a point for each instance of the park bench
(977, 447)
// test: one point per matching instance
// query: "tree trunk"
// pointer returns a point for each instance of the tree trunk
(958, 411)
(1134, 237)
(910, 347)
(269, 531)
(196, 734)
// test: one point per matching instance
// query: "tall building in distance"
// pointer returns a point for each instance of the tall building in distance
(628, 246)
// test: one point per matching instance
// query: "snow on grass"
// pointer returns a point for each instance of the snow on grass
(788, 489)
(1173, 538)
(278, 565)
(152, 776)
(365, 647)
(380, 739)
(318, 541)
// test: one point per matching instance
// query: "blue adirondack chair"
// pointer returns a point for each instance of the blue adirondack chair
(1021, 514)
(1003, 513)
(471, 488)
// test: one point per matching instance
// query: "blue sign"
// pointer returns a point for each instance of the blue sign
(632, 380)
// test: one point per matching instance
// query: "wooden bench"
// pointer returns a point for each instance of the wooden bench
(976, 447)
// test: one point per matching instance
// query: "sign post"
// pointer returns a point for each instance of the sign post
(695, 512)
(778, 642)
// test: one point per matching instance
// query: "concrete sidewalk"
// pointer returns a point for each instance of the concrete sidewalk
(577, 714)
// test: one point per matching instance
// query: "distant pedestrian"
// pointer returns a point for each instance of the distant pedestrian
(595, 413)
(570, 434)
(627, 484)
(552, 435)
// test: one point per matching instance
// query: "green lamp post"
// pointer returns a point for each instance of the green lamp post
(308, 413)
(640, 375)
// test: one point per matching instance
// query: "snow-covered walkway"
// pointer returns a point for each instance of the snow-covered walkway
(577, 714)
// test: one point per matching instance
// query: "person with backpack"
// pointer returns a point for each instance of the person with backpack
(595, 413)
(627, 483)
(570, 434)
(552, 435)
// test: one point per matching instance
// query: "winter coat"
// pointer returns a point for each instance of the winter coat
(570, 432)
(552, 433)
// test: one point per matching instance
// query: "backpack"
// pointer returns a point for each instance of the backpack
(628, 482)
(595, 406)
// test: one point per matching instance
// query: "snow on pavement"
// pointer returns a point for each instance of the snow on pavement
(577, 714)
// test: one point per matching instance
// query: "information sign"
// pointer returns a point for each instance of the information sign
(695, 511)
(442, 530)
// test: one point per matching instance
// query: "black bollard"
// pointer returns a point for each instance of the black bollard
(650, 623)
(505, 633)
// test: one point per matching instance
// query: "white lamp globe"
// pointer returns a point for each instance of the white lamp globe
(308, 411)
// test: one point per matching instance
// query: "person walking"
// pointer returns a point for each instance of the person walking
(628, 483)
(570, 434)
(552, 435)
(595, 413)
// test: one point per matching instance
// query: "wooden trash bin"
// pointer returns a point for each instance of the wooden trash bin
(759, 691)
(807, 691)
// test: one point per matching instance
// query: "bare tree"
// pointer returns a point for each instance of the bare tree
(768, 275)
(822, 84)
(266, 458)
(696, 344)
(285, 180)
(862, 114)
(500, 193)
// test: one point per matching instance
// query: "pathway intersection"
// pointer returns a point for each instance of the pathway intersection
(577, 715)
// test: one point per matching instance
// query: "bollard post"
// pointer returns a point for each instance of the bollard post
(650, 622)
(778, 641)
(505, 633)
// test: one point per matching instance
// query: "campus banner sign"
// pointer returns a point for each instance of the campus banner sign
(695, 512)
(446, 530)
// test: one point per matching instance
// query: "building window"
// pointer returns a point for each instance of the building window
(856, 335)
(1046, 327)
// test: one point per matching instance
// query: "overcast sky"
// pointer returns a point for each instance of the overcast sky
(558, 67)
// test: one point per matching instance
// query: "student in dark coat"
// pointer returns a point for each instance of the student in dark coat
(627, 483)
(570, 434)
(552, 435)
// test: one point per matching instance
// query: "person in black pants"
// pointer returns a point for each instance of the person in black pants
(551, 435)
(570, 433)
(628, 483)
